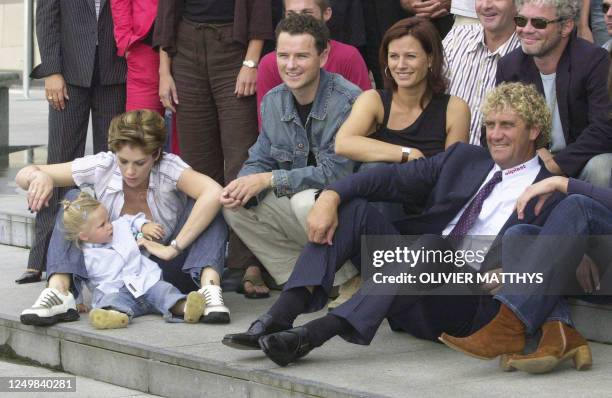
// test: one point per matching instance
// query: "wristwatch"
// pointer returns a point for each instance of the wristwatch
(249, 63)
(405, 154)
(272, 181)
(175, 246)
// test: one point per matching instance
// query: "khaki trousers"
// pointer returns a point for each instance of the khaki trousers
(275, 231)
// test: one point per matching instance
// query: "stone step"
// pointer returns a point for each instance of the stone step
(594, 321)
(182, 360)
(16, 222)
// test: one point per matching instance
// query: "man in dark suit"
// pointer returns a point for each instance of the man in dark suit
(463, 191)
(82, 74)
(572, 74)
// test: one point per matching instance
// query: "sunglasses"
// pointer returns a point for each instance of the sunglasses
(605, 7)
(537, 23)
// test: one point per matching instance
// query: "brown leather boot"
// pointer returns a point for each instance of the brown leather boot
(504, 335)
(559, 342)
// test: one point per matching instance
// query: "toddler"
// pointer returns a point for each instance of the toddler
(124, 282)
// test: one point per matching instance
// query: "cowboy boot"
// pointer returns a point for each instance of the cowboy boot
(504, 335)
(559, 343)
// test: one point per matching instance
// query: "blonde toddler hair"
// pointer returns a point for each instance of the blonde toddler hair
(76, 213)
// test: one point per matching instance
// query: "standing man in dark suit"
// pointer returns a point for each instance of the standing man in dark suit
(572, 74)
(82, 74)
(464, 191)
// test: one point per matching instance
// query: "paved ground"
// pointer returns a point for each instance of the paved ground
(28, 118)
(85, 388)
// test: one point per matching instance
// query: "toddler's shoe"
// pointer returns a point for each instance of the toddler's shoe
(108, 319)
(194, 307)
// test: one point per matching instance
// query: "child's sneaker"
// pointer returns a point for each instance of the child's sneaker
(51, 307)
(194, 307)
(108, 319)
(214, 311)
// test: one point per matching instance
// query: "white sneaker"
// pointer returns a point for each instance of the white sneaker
(214, 310)
(51, 307)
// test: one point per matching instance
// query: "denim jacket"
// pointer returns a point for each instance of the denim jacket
(284, 143)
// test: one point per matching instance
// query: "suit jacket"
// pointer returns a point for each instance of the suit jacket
(68, 34)
(133, 20)
(442, 185)
(582, 98)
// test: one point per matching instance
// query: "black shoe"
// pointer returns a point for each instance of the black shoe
(29, 277)
(249, 340)
(287, 346)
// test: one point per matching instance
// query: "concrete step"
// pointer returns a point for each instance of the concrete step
(592, 320)
(16, 222)
(181, 360)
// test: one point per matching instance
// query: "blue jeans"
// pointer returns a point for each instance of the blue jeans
(576, 217)
(598, 170)
(208, 250)
(157, 300)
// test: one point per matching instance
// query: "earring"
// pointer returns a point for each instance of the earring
(387, 71)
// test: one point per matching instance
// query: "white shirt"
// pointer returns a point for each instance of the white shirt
(498, 207)
(471, 68)
(166, 202)
(550, 92)
(466, 8)
(113, 265)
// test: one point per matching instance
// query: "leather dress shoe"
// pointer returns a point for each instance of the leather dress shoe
(286, 346)
(249, 340)
(29, 277)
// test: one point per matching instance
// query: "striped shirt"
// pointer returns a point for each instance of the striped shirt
(98, 9)
(101, 172)
(471, 68)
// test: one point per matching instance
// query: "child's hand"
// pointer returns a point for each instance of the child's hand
(157, 249)
(82, 308)
(153, 230)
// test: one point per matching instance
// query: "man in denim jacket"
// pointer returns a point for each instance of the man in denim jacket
(294, 155)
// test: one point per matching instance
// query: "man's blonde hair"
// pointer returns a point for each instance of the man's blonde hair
(143, 129)
(527, 103)
(76, 214)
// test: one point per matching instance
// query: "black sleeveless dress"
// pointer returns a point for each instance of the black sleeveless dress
(427, 133)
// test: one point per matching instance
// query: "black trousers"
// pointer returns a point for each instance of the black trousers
(423, 316)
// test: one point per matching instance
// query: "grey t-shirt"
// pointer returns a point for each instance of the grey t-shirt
(550, 92)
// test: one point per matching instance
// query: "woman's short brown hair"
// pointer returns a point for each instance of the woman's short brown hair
(144, 129)
(424, 31)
